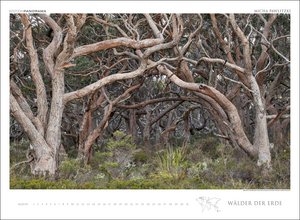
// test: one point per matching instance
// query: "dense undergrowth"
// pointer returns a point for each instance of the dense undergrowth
(120, 164)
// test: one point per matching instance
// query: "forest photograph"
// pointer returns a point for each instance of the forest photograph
(149, 101)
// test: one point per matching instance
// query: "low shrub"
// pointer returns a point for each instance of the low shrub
(172, 163)
(140, 157)
(129, 167)
(69, 168)
(120, 140)
(16, 183)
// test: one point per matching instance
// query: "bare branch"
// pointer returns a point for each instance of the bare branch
(126, 94)
(102, 82)
(262, 18)
(280, 54)
(278, 116)
(177, 25)
(126, 53)
(155, 30)
(274, 116)
(53, 47)
(166, 111)
(263, 56)
(264, 69)
(34, 135)
(96, 18)
(237, 82)
(191, 37)
(68, 47)
(224, 45)
(245, 43)
(80, 20)
(220, 61)
(108, 44)
(36, 75)
(16, 92)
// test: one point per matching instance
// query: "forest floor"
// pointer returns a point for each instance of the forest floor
(204, 164)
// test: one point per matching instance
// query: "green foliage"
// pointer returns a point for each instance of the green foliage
(99, 158)
(40, 183)
(160, 85)
(195, 170)
(69, 168)
(205, 164)
(140, 157)
(134, 184)
(110, 165)
(117, 161)
(120, 140)
(18, 151)
(199, 79)
(83, 63)
(109, 169)
(172, 163)
(74, 169)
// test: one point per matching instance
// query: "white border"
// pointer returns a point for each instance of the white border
(137, 204)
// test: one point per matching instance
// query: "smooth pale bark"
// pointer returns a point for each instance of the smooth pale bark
(153, 26)
(44, 160)
(223, 62)
(108, 44)
(244, 41)
(16, 92)
(34, 126)
(53, 133)
(53, 47)
(152, 46)
(261, 138)
(102, 82)
(45, 145)
(42, 105)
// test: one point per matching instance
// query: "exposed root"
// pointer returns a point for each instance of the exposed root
(22, 162)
